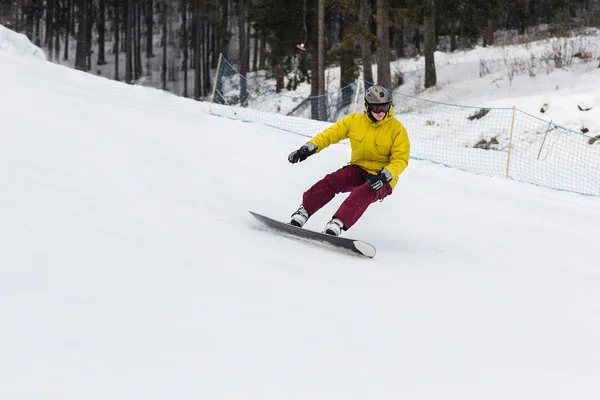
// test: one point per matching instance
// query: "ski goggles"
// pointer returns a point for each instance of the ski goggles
(379, 108)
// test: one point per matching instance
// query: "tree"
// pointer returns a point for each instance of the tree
(9, 14)
(333, 31)
(466, 20)
(366, 39)
(222, 32)
(101, 31)
(116, 28)
(383, 51)
(137, 41)
(49, 38)
(185, 45)
(321, 58)
(32, 11)
(68, 21)
(150, 27)
(347, 51)
(82, 49)
(279, 24)
(197, 49)
(163, 74)
(243, 50)
(129, 17)
(430, 44)
(88, 33)
(400, 15)
(56, 29)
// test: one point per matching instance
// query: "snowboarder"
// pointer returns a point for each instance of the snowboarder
(380, 152)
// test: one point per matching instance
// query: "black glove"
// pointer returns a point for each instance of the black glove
(307, 150)
(378, 181)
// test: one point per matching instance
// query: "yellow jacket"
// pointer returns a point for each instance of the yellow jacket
(375, 145)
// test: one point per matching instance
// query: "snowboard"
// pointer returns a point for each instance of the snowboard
(356, 246)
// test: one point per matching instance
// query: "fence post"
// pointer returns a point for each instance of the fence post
(510, 136)
(212, 97)
(357, 90)
(544, 140)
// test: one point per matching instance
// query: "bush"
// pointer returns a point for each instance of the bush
(479, 114)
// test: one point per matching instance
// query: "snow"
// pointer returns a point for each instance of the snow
(11, 41)
(130, 267)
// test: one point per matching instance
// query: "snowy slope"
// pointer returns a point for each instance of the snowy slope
(13, 42)
(131, 269)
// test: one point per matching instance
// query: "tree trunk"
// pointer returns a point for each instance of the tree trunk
(184, 37)
(68, 30)
(72, 5)
(314, 64)
(28, 10)
(116, 47)
(488, 36)
(383, 53)
(197, 50)
(57, 32)
(150, 28)
(206, 60)
(243, 65)
(262, 54)
(49, 38)
(137, 44)
(164, 44)
(321, 59)
(37, 17)
(81, 49)
(16, 19)
(278, 79)
(348, 69)
(101, 32)
(88, 34)
(129, 41)
(364, 14)
(399, 38)
(255, 54)
(417, 43)
(225, 36)
(429, 22)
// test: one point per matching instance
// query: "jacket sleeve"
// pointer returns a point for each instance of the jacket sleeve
(333, 134)
(400, 153)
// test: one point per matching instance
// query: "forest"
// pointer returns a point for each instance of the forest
(175, 45)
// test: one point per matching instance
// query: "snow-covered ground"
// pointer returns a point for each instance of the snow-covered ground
(130, 267)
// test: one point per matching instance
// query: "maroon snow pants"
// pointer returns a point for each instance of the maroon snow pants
(351, 179)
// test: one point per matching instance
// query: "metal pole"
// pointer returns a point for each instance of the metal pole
(512, 125)
(544, 141)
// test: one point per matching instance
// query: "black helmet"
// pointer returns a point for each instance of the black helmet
(377, 99)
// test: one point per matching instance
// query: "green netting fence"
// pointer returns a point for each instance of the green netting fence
(497, 142)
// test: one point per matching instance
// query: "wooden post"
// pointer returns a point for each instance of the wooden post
(512, 126)
(212, 97)
(357, 90)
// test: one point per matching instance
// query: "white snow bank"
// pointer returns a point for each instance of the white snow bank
(18, 43)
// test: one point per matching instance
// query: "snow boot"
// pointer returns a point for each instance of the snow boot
(300, 217)
(334, 227)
